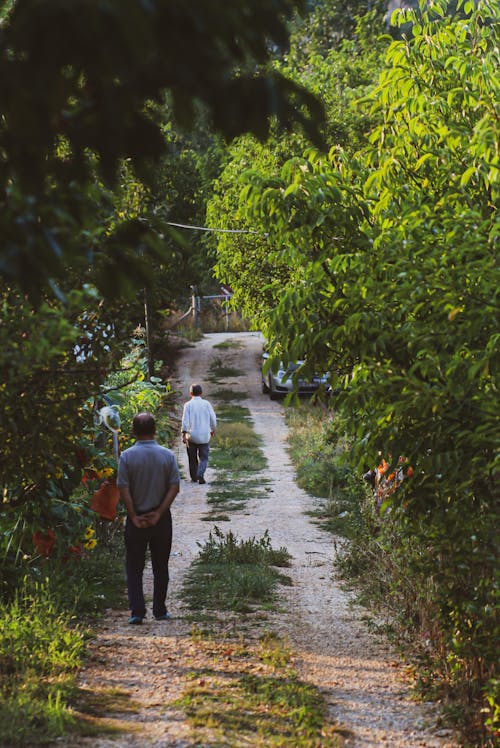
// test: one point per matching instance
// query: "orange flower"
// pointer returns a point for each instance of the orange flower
(409, 472)
(383, 467)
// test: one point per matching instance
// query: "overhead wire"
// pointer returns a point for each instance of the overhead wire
(222, 231)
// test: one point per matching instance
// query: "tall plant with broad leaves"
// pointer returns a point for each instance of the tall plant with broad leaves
(396, 247)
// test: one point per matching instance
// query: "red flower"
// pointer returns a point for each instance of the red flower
(88, 474)
(73, 552)
(44, 542)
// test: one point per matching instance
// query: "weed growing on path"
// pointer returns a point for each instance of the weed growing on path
(250, 695)
(225, 396)
(235, 575)
(228, 495)
(237, 446)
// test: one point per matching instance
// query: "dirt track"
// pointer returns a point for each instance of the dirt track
(364, 682)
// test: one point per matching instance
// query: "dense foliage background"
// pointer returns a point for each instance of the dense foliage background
(360, 151)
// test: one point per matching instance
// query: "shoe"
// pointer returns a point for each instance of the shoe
(135, 620)
(201, 480)
(164, 617)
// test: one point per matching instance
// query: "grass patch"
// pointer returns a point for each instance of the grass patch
(231, 413)
(219, 370)
(233, 496)
(228, 395)
(42, 645)
(317, 448)
(235, 575)
(236, 448)
(216, 517)
(239, 459)
(105, 702)
(230, 435)
(40, 650)
(256, 700)
(229, 344)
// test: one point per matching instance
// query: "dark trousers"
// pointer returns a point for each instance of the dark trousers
(137, 540)
(198, 459)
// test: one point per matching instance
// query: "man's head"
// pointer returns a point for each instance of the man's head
(144, 425)
(195, 390)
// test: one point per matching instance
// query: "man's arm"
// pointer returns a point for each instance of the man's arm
(129, 506)
(213, 420)
(185, 422)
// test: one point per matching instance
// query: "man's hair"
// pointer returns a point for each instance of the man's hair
(196, 390)
(144, 424)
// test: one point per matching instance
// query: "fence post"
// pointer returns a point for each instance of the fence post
(195, 305)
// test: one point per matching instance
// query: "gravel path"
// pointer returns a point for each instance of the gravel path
(364, 682)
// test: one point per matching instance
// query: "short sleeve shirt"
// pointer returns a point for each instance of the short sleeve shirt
(148, 470)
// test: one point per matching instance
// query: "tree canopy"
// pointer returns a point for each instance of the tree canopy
(77, 78)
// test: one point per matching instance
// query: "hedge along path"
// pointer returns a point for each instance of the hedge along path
(365, 684)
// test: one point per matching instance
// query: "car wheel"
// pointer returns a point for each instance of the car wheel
(272, 392)
(265, 388)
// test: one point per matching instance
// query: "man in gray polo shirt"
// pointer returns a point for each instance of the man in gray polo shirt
(148, 479)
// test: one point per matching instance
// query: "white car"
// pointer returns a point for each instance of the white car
(279, 384)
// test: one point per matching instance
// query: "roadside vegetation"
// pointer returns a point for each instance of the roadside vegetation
(380, 266)
(318, 449)
(62, 567)
(43, 634)
(390, 561)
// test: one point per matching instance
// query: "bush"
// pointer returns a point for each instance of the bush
(433, 576)
(40, 650)
(318, 450)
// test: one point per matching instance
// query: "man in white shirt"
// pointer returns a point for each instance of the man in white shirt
(198, 425)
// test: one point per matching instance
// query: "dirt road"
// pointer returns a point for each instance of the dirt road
(364, 682)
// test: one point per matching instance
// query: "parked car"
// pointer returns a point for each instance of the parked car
(279, 384)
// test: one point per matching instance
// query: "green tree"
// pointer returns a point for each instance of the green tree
(248, 261)
(81, 75)
(330, 23)
(255, 265)
(398, 298)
